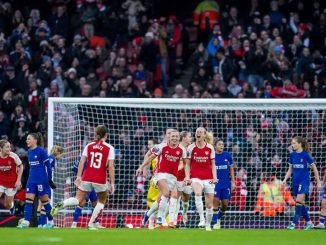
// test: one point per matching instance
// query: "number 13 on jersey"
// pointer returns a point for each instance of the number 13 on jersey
(96, 159)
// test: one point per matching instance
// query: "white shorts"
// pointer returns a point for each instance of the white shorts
(181, 187)
(208, 188)
(89, 186)
(9, 192)
(171, 179)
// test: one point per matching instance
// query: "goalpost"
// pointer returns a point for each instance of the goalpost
(257, 132)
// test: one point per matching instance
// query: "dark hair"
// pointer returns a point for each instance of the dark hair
(39, 138)
(304, 143)
(183, 135)
(100, 132)
(3, 142)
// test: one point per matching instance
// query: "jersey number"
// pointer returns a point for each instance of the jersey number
(96, 159)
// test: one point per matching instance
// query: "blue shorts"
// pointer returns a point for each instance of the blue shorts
(300, 189)
(222, 194)
(91, 196)
(324, 196)
(39, 189)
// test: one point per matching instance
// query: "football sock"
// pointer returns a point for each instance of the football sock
(97, 212)
(72, 201)
(77, 213)
(200, 206)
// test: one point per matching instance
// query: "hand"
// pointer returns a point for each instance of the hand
(77, 181)
(284, 182)
(139, 171)
(145, 172)
(213, 181)
(18, 185)
(52, 185)
(187, 181)
(111, 188)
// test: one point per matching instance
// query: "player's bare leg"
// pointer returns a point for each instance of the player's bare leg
(102, 197)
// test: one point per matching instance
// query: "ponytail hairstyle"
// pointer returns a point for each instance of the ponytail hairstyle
(39, 138)
(56, 149)
(209, 138)
(304, 143)
(100, 132)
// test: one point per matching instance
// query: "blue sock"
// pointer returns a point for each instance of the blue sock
(305, 213)
(77, 213)
(215, 216)
(47, 206)
(28, 209)
(220, 214)
(297, 214)
(42, 219)
(322, 219)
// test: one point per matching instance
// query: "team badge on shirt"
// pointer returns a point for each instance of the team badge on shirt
(177, 152)
(206, 152)
(155, 150)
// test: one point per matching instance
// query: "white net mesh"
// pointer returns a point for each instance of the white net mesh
(257, 134)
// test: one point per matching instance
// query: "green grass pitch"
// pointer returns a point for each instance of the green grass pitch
(156, 237)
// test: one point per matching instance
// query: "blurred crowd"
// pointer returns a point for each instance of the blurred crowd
(99, 48)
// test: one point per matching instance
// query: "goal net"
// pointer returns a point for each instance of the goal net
(257, 133)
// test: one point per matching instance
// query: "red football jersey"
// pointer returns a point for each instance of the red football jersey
(168, 158)
(8, 170)
(97, 154)
(200, 161)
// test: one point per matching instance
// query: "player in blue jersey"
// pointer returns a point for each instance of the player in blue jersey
(300, 162)
(39, 179)
(55, 155)
(225, 184)
(322, 216)
(90, 196)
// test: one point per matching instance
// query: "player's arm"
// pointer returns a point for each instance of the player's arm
(316, 173)
(232, 177)
(214, 180)
(145, 164)
(111, 170)
(20, 170)
(288, 174)
(187, 170)
(80, 170)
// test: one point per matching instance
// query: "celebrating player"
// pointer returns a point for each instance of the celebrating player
(100, 158)
(200, 167)
(55, 155)
(222, 194)
(300, 161)
(181, 191)
(322, 216)
(169, 156)
(11, 169)
(39, 179)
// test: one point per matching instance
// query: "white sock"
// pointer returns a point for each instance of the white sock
(185, 207)
(173, 209)
(177, 209)
(97, 211)
(209, 216)
(153, 208)
(72, 201)
(162, 207)
(200, 206)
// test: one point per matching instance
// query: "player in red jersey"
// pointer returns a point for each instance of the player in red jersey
(11, 170)
(181, 191)
(100, 158)
(201, 173)
(169, 155)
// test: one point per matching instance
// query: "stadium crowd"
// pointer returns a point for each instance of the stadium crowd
(93, 48)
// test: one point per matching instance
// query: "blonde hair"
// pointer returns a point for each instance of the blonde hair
(56, 149)
(209, 138)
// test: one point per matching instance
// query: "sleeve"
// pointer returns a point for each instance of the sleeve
(212, 152)
(111, 153)
(230, 160)
(184, 153)
(46, 162)
(16, 157)
(290, 159)
(85, 151)
(189, 151)
(157, 150)
(310, 159)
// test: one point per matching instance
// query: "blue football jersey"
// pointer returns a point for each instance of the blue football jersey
(39, 166)
(301, 163)
(223, 161)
